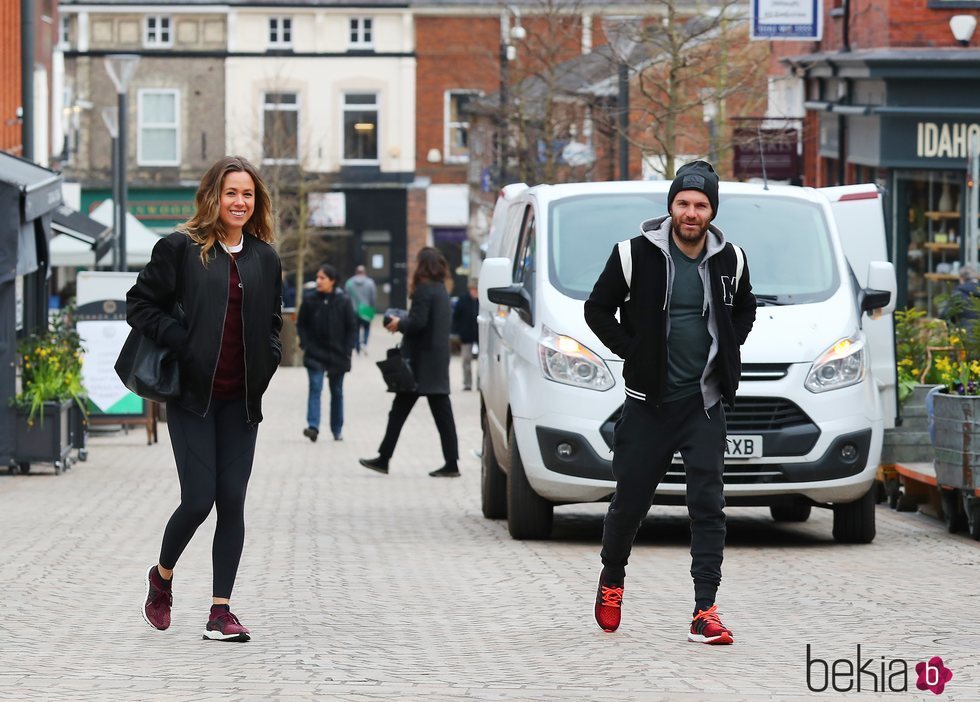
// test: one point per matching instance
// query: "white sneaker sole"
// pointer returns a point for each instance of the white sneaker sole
(721, 639)
(218, 636)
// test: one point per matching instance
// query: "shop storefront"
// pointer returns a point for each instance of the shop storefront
(160, 209)
(906, 118)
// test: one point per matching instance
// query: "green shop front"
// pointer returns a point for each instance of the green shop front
(903, 118)
(160, 209)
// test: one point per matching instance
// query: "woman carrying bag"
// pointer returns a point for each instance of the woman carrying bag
(425, 345)
(221, 269)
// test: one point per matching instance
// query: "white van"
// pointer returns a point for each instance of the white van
(818, 370)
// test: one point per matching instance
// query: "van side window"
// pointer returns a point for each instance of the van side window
(524, 260)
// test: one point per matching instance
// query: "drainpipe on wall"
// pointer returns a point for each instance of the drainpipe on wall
(27, 39)
(841, 119)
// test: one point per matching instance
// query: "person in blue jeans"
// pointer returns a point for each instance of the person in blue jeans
(327, 328)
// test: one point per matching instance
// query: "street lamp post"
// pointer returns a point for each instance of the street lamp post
(120, 68)
(709, 107)
(110, 117)
(508, 52)
(622, 33)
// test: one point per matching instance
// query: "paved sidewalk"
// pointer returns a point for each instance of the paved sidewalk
(359, 586)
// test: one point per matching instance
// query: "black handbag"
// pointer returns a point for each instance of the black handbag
(149, 369)
(397, 372)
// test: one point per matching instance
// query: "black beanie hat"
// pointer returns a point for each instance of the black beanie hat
(696, 175)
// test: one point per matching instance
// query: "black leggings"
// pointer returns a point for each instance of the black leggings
(214, 460)
(442, 413)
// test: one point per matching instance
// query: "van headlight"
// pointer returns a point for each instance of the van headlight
(841, 365)
(564, 360)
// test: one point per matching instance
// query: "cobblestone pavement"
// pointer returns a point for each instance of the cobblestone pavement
(359, 586)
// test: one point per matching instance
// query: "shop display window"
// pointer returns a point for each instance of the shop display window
(929, 209)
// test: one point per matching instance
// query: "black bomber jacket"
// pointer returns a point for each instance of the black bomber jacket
(203, 295)
(639, 336)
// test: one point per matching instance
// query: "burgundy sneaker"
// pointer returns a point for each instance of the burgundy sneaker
(159, 599)
(608, 604)
(224, 626)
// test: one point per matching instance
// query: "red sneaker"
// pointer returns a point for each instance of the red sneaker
(224, 626)
(159, 599)
(708, 629)
(608, 604)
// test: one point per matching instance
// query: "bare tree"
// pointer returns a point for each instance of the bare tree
(690, 72)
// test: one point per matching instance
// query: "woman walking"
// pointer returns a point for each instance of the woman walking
(327, 328)
(220, 273)
(425, 345)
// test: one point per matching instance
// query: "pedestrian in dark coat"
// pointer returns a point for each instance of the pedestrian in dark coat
(426, 348)
(327, 328)
(465, 327)
(222, 270)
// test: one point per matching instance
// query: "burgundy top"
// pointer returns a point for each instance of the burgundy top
(229, 378)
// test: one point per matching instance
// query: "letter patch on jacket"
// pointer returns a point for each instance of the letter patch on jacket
(728, 289)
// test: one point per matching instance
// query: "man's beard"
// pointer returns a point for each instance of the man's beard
(689, 238)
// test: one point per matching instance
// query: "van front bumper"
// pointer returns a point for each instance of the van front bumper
(575, 472)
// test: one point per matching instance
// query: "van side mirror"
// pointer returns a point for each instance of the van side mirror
(879, 297)
(494, 273)
(515, 296)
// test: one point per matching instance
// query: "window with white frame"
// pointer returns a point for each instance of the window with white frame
(280, 128)
(360, 128)
(64, 36)
(457, 125)
(159, 128)
(361, 33)
(156, 31)
(280, 32)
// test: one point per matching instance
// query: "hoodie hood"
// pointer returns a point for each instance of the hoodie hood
(658, 229)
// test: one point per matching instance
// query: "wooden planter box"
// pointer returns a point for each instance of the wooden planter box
(47, 441)
(957, 447)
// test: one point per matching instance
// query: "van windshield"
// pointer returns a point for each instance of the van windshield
(785, 241)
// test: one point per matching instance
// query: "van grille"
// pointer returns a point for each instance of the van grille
(764, 371)
(754, 414)
(751, 415)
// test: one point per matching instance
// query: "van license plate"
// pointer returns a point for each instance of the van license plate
(743, 446)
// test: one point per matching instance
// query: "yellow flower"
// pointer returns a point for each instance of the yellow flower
(954, 340)
(915, 371)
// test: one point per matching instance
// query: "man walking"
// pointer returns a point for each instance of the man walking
(466, 328)
(327, 330)
(364, 296)
(686, 306)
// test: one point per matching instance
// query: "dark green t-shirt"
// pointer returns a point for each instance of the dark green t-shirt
(689, 341)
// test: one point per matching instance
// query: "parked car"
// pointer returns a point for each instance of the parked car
(818, 370)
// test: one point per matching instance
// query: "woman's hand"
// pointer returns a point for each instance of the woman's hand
(392, 326)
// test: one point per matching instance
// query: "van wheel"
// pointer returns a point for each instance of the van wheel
(953, 516)
(529, 516)
(493, 482)
(797, 512)
(854, 522)
(971, 507)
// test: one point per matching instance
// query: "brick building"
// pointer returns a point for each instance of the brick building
(890, 96)
(10, 98)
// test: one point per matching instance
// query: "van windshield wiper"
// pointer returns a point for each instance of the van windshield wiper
(770, 300)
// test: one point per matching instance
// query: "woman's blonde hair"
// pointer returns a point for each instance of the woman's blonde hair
(205, 226)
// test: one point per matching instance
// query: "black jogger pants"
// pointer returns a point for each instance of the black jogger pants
(645, 441)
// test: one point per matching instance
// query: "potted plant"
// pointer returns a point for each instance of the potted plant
(915, 336)
(50, 386)
(956, 410)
